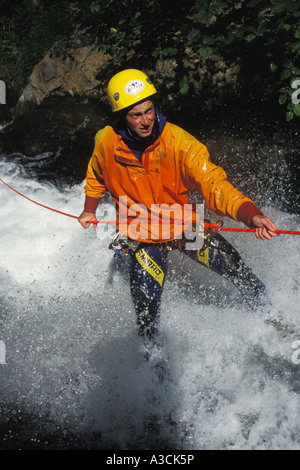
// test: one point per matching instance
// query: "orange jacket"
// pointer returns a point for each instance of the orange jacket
(169, 169)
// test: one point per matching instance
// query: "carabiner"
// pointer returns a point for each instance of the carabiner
(121, 245)
(216, 231)
(118, 245)
(210, 233)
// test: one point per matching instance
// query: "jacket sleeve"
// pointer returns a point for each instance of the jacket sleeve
(219, 194)
(95, 185)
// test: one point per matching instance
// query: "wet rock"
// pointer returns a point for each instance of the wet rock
(56, 128)
(73, 73)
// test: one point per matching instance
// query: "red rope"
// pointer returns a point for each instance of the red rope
(206, 226)
(232, 229)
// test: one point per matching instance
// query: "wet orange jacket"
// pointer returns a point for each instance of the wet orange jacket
(168, 170)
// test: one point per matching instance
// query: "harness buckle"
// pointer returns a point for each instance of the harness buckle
(211, 233)
(121, 245)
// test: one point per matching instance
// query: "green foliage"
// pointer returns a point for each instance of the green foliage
(291, 98)
(206, 10)
(184, 86)
(267, 29)
(28, 29)
(131, 32)
(262, 35)
(160, 53)
(281, 17)
(84, 123)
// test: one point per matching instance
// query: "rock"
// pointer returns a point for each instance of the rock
(53, 134)
(74, 73)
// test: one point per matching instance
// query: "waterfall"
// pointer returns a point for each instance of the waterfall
(71, 372)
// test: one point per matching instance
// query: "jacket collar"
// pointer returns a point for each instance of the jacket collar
(128, 157)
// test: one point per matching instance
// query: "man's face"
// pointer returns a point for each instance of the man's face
(140, 119)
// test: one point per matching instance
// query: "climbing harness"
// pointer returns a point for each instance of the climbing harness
(122, 245)
(210, 232)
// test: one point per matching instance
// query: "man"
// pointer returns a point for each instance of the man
(145, 162)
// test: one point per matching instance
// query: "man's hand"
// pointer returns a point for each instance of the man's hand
(86, 218)
(264, 227)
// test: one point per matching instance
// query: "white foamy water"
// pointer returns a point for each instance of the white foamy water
(73, 363)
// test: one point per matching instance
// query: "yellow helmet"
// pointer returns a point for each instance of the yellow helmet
(129, 87)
